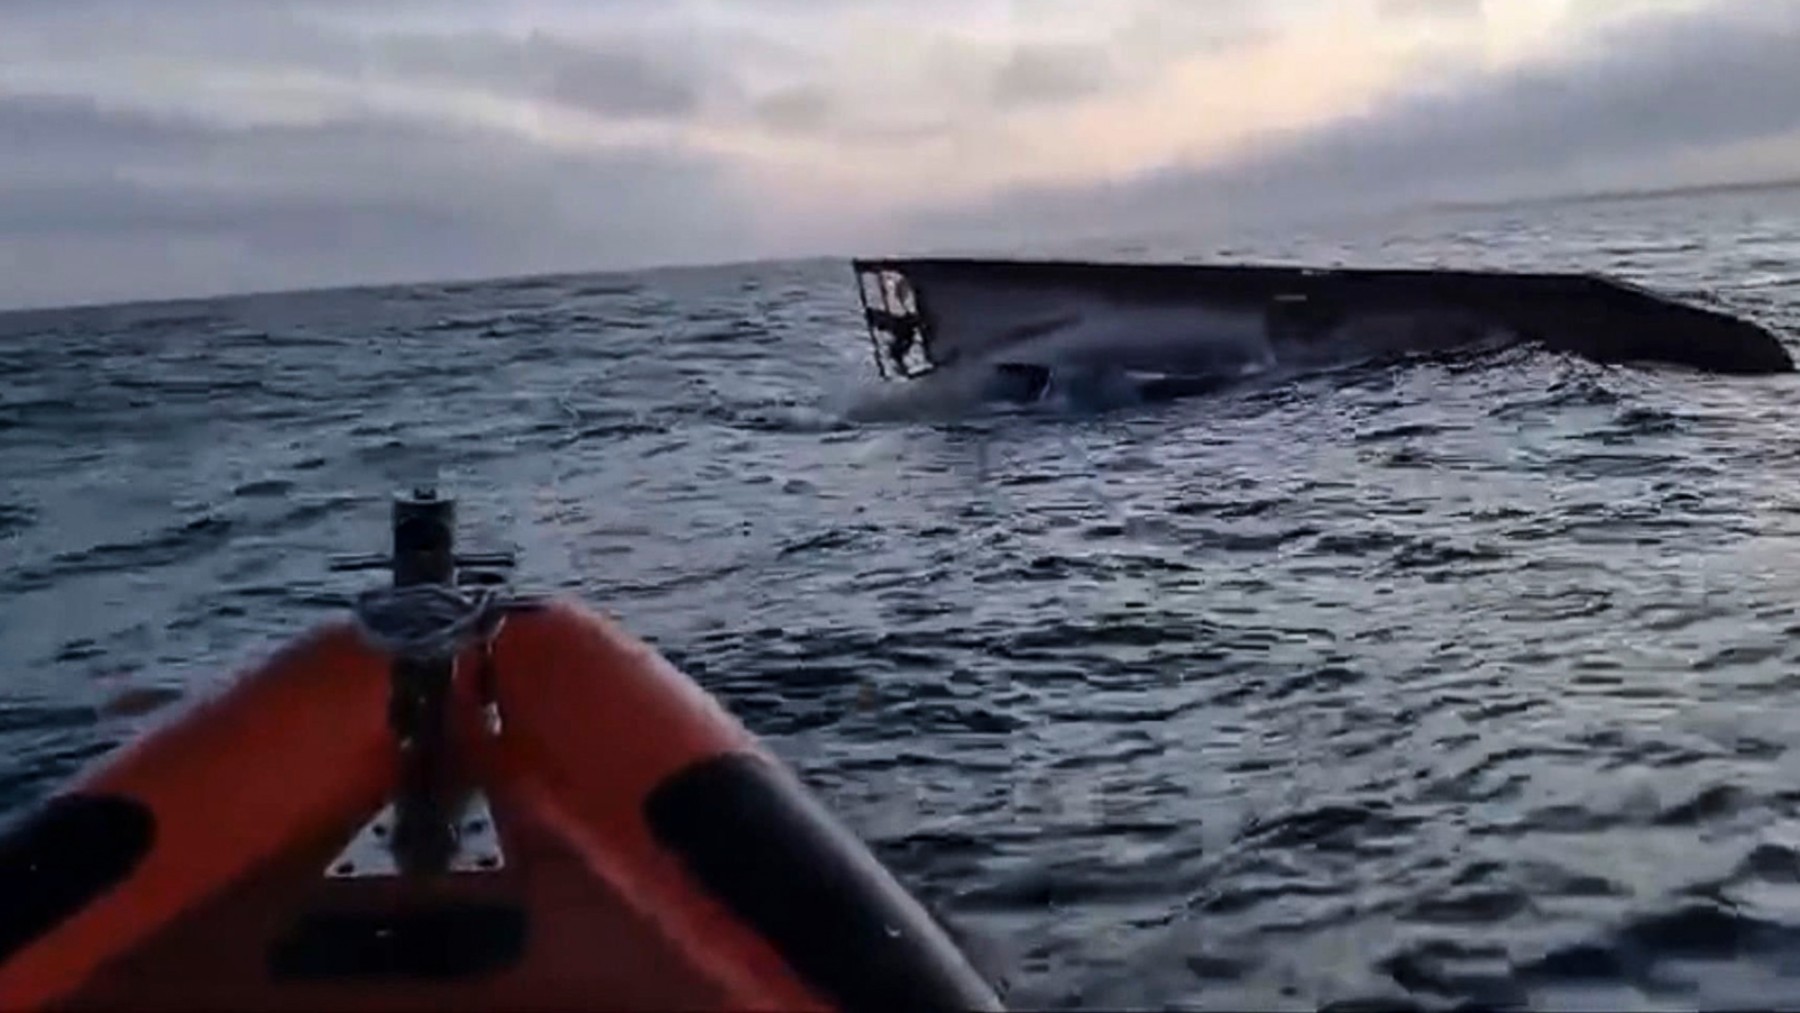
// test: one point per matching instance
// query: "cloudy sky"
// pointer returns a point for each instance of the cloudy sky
(172, 147)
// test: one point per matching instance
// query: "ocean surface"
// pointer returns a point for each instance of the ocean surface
(1462, 681)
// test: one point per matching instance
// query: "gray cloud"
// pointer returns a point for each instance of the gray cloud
(1652, 89)
(1046, 74)
(214, 208)
(978, 83)
(269, 160)
(800, 109)
(631, 71)
(1447, 9)
(1156, 31)
(607, 78)
(1624, 107)
(996, 82)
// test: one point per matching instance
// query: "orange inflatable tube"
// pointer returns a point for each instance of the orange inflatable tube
(650, 854)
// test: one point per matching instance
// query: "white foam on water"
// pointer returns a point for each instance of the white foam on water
(1071, 328)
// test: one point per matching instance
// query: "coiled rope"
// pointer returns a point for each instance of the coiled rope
(430, 622)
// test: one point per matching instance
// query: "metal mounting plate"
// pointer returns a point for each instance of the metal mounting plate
(369, 853)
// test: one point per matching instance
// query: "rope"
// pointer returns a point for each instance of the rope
(427, 622)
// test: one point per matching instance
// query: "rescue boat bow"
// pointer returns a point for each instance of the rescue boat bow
(458, 800)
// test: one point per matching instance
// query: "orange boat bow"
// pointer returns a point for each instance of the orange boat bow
(652, 854)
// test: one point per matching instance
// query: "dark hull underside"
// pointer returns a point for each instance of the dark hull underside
(925, 314)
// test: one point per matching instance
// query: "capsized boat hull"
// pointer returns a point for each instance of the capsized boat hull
(649, 854)
(1218, 320)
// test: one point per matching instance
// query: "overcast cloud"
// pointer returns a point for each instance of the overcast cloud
(1674, 97)
(198, 146)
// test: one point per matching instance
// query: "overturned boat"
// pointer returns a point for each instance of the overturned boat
(458, 798)
(1024, 325)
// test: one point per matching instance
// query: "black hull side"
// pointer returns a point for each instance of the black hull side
(1592, 316)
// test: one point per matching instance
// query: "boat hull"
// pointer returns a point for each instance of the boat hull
(1205, 320)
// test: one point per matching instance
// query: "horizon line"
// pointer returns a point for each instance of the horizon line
(1472, 204)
